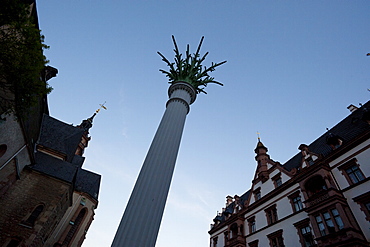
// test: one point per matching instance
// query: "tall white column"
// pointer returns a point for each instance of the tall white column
(142, 218)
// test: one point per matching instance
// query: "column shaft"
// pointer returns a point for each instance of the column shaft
(141, 220)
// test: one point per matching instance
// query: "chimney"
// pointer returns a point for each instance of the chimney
(352, 108)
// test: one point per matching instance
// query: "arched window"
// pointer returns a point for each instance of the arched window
(75, 226)
(315, 184)
(14, 242)
(34, 215)
(3, 149)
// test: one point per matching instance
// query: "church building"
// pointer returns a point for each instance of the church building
(46, 197)
(320, 197)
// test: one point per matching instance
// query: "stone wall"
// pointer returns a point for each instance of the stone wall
(22, 198)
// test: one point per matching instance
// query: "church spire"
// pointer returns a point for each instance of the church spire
(86, 125)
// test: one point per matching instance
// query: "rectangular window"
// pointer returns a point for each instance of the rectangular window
(257, 194)
(329, 222)
(271, 215)
(278, 182)
(352, 172)
(276, 239)
(355, 174)
(252, 225)
(306, 237)
(364, 202)
(327, 226)
(321, 225)
(253, 243)
(215, 239)
(296, 201)
(337, 218)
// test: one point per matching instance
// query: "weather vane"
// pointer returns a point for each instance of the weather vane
(258, 136)
(101, 106)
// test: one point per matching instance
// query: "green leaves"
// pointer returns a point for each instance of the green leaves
(21, 59)
(190, 68)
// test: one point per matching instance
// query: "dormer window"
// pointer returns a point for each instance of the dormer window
(277, 180)
(333, 141)
(257, 194)
(308, 157)
(310, 161)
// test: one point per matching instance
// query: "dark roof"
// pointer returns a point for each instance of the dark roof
(88, 182)
(54, 167)
(348, 129)
(78, 160)
(230, 208)
(60, 136)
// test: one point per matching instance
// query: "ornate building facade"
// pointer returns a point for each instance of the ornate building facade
(320, 197)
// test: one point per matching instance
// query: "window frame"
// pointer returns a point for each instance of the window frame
(252, 224)
(276, 237)
(304, 224)
(253, 243)
(215, 240)
(257, 194)
(277, 180)
(32, 217)
(296, 203)
(329, 221)
(364, 203)
(357, 172)
(271, 215)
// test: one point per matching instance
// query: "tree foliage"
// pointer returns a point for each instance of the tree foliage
(190, 68)
(21, 59)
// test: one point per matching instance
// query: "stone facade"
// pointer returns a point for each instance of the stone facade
(18, 204)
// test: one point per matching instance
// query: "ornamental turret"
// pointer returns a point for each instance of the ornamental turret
(262, 158)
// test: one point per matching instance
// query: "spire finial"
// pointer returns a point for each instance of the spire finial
(258, 136)
(87, 124)
(101, 106)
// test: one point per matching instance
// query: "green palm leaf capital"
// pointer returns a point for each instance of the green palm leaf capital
(189, 68)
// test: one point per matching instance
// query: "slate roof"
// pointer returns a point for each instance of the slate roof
(60, 136)
(88, 182)
(65, 138)
(54, 167)
(230, 208)
(78, 160)
(349, 128)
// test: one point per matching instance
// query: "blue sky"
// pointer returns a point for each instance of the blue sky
(293, 68)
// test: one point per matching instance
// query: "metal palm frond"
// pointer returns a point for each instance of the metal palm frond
(190, 69)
